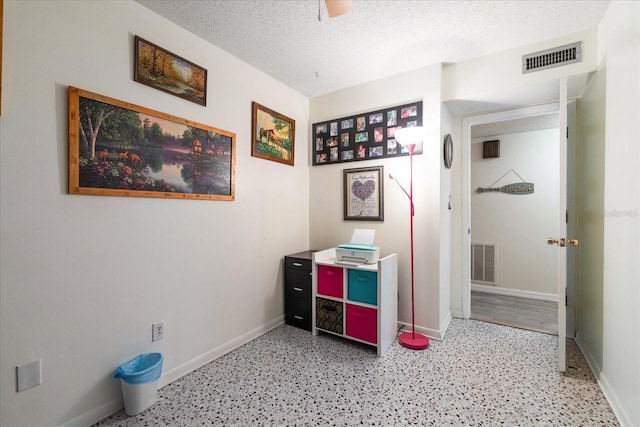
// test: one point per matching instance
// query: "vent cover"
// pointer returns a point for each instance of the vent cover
(491, 149)
(550, 58)
(483, 263)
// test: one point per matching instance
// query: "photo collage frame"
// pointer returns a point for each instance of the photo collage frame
(367, 136)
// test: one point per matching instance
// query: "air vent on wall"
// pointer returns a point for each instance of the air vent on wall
(491, 149)
(550, 58)
(484, 263)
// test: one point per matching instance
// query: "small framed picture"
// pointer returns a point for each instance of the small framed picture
(392, 146)
(361, 124)
(362, 137)
(333, 154)
(273, 135)
(375, 118)
(363, 194)
(347, 124)
(376, 151)
(347, 155)
(392, 118)
(333, 129)
(378, 134)
(410, 111)
(160, 69)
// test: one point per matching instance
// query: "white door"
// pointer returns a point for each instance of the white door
(562, 240)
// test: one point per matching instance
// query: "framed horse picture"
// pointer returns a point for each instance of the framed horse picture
(272, 135)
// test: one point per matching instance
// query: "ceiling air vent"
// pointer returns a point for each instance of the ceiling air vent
(550, 58)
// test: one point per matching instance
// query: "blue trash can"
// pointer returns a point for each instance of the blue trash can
(139, 380)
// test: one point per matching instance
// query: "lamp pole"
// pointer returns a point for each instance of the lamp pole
(411, 339)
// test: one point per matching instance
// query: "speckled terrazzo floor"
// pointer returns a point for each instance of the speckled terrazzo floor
(481, 374)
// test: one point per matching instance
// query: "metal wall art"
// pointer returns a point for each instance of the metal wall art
(515, 188)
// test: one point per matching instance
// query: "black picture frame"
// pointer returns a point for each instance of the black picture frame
(367, 136)
(363, 191)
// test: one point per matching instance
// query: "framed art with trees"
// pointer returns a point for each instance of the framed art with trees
(120, 149)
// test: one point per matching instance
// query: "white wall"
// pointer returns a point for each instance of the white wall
(619, 39)
(447, 202)
(519, 224)
(326, 196)
(82, 278)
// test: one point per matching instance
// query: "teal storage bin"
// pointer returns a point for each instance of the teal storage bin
(363, 286)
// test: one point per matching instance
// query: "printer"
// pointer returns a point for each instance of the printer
(360, 250)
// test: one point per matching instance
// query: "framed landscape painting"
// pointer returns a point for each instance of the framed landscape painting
(165, 71)
(273, 135)
(121, 149)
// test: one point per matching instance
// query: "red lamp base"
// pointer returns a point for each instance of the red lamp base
(413, 341)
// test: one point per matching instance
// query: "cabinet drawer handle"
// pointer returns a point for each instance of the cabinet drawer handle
(297, 264)
(299, 317)
(298, 289)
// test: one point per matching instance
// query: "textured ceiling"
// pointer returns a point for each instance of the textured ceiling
(378, 38)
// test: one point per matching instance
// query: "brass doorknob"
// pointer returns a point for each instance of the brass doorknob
(562, 242)
(571, 242)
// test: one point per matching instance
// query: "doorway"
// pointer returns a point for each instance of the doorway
(513, 272)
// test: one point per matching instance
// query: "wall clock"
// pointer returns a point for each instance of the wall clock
(448, 151)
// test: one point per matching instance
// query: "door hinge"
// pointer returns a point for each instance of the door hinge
(566, 217)
(567, 131)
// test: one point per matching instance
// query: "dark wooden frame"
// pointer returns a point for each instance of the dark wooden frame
(272, 135)
(367, 182)
(366, 136)
(191, 91)
(131, 161)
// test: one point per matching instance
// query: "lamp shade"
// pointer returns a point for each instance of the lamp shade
(411, 135)
(338, 7)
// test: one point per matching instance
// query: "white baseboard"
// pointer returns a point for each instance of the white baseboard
(101, 412)
(190, 366)
(96, 414)
(514, 293)
(429, 333)
(618, 411)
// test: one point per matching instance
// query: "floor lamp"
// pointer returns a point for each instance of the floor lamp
(409, 138)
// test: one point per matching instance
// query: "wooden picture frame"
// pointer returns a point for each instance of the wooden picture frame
(372, 137)
(160, 69)
(363, 194)
(272, 135)
(121, 149)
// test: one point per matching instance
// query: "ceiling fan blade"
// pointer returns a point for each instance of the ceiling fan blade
(338, 7)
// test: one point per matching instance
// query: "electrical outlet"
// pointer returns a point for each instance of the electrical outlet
(28, 375)
(157, 331)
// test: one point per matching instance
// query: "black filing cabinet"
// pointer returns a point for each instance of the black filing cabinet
(297, 289)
